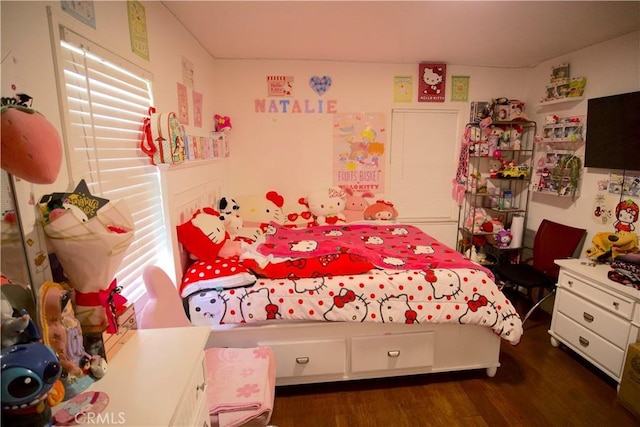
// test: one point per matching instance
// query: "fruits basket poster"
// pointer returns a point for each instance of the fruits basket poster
(359, 141)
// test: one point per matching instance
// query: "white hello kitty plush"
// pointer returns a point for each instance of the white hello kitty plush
(327, 206)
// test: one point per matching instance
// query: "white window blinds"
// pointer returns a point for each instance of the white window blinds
(105, 102)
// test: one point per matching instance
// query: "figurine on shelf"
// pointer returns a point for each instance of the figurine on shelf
(503, 238)
(30, 374)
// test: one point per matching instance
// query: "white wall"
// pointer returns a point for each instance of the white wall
(610, 67)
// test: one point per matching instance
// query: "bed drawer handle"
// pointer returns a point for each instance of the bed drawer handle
(588, 317)
(302, 360)
(584, 342)
(570, 283)
(393, 353)
(616, 305)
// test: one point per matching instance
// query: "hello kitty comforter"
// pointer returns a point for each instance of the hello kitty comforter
(401, 275)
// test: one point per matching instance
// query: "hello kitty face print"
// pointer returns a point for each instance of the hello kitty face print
(253, 306)
(432, 82)
(304, 246)
(207, 305)
(480, 307)
(445, 282)
(347, 301)
(392, 306)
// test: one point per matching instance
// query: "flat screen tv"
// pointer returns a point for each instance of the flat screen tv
(613, 132)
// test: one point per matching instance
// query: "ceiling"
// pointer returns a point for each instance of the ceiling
(481, 33)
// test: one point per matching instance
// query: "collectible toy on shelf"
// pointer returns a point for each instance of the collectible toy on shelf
(223, 123)
(503, 238)
(30, 374)
(62, 332)
(17, 326)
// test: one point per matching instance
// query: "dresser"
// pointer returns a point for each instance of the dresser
(157, 378)
(594, 316)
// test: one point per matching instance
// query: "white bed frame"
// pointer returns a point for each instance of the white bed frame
(311, 352)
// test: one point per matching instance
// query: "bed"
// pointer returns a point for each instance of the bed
(347, 301)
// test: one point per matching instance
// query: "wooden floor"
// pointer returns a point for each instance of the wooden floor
(536, 385)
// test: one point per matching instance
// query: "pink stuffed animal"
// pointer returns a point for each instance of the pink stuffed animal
(356, 205)
(223, 123)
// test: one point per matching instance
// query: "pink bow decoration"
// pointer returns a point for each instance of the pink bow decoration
(474, 305)
(341, 300)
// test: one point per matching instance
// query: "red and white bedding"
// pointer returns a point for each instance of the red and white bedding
(352, 272)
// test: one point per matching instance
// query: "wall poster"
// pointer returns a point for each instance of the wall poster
(183, 104)
(431, 82)
(359, 145)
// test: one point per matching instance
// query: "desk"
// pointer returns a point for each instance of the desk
(158, 378)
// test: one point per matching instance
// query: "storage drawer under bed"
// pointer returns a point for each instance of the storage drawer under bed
(397, 351)
(306, 358)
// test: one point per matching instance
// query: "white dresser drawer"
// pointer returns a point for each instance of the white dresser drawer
(613, 303)
(194, 396)
(304, 358)
(397, 351)
(590, 345)
(593, 317)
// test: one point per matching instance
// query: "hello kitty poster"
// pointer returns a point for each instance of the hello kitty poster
(431, 82)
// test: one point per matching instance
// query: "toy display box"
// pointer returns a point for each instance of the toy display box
(479, 111)
(629, 394)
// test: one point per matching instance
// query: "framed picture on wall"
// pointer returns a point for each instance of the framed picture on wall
(431, 82)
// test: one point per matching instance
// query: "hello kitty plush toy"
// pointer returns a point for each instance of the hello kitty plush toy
(327, 206)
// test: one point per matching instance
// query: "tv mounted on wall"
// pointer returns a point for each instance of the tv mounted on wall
(613, 132)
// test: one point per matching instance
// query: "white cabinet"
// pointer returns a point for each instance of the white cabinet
(594, 316)
(158, 378)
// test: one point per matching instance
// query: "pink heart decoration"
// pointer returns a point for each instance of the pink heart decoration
(320, 84)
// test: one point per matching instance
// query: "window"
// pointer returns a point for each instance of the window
(104, 101)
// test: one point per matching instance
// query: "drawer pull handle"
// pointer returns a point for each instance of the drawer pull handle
(302, 360)
(588, 317)
(201, 387)
(570, 282)
(393, 353)
(616, 305)
(584, 342)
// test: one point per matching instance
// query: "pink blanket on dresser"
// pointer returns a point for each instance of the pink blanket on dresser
(240, 386)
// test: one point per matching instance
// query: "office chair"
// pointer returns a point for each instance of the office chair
(552, 241)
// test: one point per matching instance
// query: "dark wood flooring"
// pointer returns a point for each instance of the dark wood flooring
(536, 385)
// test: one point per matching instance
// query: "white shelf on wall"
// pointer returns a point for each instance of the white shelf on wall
(560, 101)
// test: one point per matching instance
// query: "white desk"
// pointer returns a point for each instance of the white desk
(158, 378)
(594, 316)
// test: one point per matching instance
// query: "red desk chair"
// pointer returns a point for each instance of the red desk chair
(552, 241)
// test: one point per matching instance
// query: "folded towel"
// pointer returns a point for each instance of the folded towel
(240, 385)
